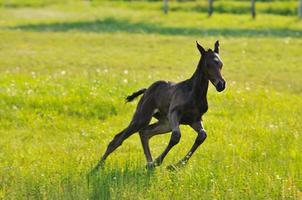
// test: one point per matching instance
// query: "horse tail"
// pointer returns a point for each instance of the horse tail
(135, 94)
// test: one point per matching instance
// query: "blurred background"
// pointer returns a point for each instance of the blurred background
(281, 7)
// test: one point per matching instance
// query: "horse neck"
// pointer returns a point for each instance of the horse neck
(200, 82)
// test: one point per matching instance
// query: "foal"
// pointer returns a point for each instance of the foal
(173, 104)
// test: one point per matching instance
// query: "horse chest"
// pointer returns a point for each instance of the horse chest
(203, 107)
(193, 112)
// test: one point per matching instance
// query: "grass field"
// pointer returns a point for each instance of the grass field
(66, 68)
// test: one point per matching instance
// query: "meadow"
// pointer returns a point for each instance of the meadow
(65, 70)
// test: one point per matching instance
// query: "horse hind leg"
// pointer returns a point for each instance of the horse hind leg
(146, 133)
(139, 121)
(119, 138)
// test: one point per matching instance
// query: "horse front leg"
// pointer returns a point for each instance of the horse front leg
(201, 136)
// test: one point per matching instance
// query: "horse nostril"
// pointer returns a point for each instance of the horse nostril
(220, 86)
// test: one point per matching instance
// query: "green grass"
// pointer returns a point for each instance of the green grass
(64, 73)
(285, 7)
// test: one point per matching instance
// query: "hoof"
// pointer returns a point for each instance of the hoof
(157, 162)
(99, 166)
(177, 166)
(150, 166)
(172, 168)
(181, 163)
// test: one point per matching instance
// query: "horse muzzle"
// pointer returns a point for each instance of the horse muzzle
(220, 86)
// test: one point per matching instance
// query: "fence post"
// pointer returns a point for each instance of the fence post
(210, 10)
(165, 6)
(300, 9)
(253, 10)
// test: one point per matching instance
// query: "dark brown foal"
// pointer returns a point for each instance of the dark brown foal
(173, 104)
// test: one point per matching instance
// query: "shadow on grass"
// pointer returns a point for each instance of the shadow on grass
(112, 25)
(111, 184)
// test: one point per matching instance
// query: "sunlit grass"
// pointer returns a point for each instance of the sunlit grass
(64, 73)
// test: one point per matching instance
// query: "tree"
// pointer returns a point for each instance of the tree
(253, 11)
(210, 11)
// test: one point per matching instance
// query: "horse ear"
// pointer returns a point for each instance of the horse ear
(216, 47)
(200, 48)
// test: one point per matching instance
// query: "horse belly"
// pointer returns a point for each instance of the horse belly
(189, 118)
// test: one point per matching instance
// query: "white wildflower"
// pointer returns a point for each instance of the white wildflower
(29, 91)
